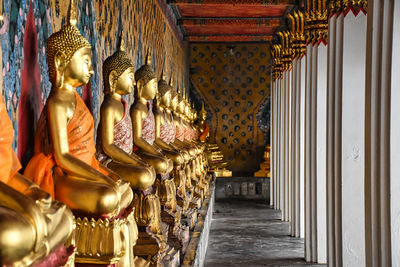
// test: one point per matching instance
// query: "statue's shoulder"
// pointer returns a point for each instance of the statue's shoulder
(138, 108)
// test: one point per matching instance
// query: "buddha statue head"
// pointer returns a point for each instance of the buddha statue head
(187, 110)
(192, 113)
(174, 97)
(146, 80)
(164, 92)
(203, 114)
(181, 104)
(118, 72)
(69, 54)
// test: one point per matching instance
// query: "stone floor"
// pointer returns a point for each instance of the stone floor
(246, 233)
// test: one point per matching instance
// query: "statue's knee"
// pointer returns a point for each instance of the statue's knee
(17, 236)
(179, 159)
(161, 165)
(147, 178)
(108, 201)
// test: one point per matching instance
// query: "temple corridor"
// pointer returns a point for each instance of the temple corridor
(249, 233)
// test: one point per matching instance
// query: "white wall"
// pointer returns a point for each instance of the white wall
(395, 140)
(321, 51)
(353, 218)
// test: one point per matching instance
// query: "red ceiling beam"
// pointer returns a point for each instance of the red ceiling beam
(237, 11)
(231, 22)
(230, 38)
(236, 2)
(229, 30)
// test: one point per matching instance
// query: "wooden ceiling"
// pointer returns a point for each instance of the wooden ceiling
(230, 20)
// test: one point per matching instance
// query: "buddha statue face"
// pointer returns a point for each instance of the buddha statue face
(79, 69)
(149, 90)
(174, 102)
(119, 72)
(126, 82)
(165, 100)
(181, 106)
(146, 80)
(203, 116)
(187, 109)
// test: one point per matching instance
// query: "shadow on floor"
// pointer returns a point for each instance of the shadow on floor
(249, 233)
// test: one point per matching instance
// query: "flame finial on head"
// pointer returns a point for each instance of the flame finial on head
(121, 43)
(203, 110)
(72, 17)
(171, 80)
(163, 75)
(148, 57)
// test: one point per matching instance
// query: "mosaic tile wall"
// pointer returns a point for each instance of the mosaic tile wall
(233, 81)
(143, 23)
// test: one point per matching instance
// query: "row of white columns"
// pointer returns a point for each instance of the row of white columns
(335, 141)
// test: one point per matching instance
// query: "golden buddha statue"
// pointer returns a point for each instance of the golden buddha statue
(198, 172)
(143, 128)
(214, 157)
(183, 196)
(64, 163)
(165, 136)
(164, 127)
(32, 225)
(114, 149)
(265, 168)
(143, 119)
(178, 108)
(203, 126)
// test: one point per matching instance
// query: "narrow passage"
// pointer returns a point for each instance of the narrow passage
(247, 233)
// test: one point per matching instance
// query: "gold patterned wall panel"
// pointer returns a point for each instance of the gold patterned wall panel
(143, 23)
(233, 80)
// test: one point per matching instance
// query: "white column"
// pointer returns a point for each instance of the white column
(353, 134)
(334, 140)
(378, 178)
(302, 77)
(281, 144)
(272, 145)
(288, 145)
(285, 145)
(395, 140)
(276, 139)
(307, 159)
(293, 166)
(321, 83)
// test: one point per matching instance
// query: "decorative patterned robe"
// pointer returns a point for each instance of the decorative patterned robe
(123, 138)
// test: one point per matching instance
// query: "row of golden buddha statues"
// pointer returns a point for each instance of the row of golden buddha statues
(127, 199)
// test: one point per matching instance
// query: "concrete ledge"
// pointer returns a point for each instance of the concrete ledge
(197, 248)
(243, 188)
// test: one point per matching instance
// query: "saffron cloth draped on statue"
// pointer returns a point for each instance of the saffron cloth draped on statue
(9, 163)
(81, 145)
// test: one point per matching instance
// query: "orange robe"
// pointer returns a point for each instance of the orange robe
(81, 145)
(9, 163)
(203, 136)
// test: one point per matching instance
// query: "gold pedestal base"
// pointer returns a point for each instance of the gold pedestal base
(223, 173)
(102, 241)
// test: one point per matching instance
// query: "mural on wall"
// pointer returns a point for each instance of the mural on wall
(142, 22)
(233, 81)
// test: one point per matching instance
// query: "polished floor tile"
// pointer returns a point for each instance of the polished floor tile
(247, 233)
